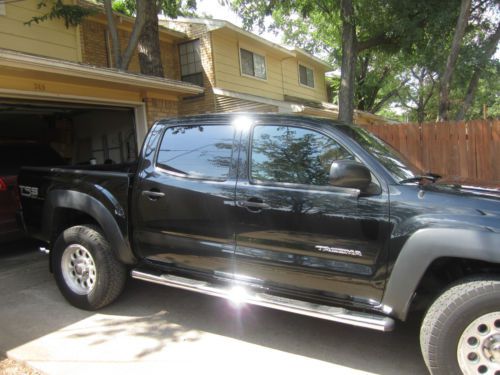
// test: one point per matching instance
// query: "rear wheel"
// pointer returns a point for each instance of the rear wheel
(86, 271)
(461, 330)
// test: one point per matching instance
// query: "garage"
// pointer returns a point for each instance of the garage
(80, 113)
(80, 133)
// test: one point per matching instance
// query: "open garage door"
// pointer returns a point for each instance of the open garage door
(80, 133)
(43, 133)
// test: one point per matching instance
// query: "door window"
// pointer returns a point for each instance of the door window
(203, 152)
(285, 154)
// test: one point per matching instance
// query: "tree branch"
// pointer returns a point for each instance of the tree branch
(491, 46)
(377, 107)
(140, 21)
(377, 40)
(114, 34)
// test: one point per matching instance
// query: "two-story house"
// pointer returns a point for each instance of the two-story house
(58, 83)
(241, 71)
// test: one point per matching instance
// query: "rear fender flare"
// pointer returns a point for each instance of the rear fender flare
(91, 206)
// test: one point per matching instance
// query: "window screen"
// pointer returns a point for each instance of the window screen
(197, 151)
(293, 155)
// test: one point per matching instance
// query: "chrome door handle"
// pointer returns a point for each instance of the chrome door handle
(153, 195)
(253, 205)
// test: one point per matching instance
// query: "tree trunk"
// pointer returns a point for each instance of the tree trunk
(113, 32)
(491, 46)
(349, 53)
(149, 43)
(444, 100)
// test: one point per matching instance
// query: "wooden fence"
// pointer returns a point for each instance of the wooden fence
(467, 152)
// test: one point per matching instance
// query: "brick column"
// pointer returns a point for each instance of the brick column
(157, 109)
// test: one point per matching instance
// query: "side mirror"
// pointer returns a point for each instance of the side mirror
(350, 174)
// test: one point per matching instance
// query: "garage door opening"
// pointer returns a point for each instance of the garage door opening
(80, 133)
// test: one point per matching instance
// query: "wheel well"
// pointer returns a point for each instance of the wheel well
(65, 218)
(444, 272)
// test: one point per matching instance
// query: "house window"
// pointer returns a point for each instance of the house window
(306, 76)
(253, 64)
(191, 69)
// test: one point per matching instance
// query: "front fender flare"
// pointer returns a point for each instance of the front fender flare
(91, 206)
(427, 245)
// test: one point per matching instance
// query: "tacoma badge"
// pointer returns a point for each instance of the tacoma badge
(337, 250)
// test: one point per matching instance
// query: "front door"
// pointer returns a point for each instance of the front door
(184, 200)
(298, 235)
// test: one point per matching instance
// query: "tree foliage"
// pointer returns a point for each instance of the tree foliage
(144, 35)
(71, 14)
(402, 48)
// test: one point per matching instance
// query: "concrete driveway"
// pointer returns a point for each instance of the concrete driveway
(153, 329)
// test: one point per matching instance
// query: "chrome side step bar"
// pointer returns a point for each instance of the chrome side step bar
(241, 295)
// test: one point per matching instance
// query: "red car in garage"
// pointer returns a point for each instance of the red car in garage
(14, 155)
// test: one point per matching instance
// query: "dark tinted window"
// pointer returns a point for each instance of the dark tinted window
(293, 155)
(197, 151)
(392, 160)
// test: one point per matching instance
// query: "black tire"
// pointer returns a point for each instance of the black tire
(99, 277)
(456, 317)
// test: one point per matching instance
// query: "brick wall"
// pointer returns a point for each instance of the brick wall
(96, 50)
(206, 102)
(93, 40)
(157, 109)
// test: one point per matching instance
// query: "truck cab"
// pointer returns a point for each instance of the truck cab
(294, 213)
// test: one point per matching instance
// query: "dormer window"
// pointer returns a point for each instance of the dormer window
(253, 64)
(306, 76)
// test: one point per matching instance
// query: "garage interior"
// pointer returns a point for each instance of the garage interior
(80, 133)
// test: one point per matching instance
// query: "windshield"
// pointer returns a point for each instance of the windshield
(397, 165)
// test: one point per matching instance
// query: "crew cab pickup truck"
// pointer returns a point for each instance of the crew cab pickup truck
(300, 214)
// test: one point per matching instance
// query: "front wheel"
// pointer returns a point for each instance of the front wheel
(86, 271)
(461, 330)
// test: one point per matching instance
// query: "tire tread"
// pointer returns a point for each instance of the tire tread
(451, 300)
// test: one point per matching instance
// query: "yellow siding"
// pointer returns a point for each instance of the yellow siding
(227, 69)
(49, 38)
(292, 84)
(24, 81)
(282, 73)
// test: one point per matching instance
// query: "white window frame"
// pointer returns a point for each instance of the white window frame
(313, 77)
(253, 53)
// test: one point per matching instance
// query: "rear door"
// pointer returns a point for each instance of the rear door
(184, 199)
(298, 235)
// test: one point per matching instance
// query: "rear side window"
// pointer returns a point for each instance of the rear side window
(286, 154)
(203, 152)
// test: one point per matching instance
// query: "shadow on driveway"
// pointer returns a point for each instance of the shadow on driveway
(154, 323)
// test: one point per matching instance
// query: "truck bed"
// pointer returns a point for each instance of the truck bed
(108, 184)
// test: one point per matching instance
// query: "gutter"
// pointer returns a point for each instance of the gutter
(38, 63)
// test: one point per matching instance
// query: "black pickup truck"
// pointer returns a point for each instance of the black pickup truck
(300, 214)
